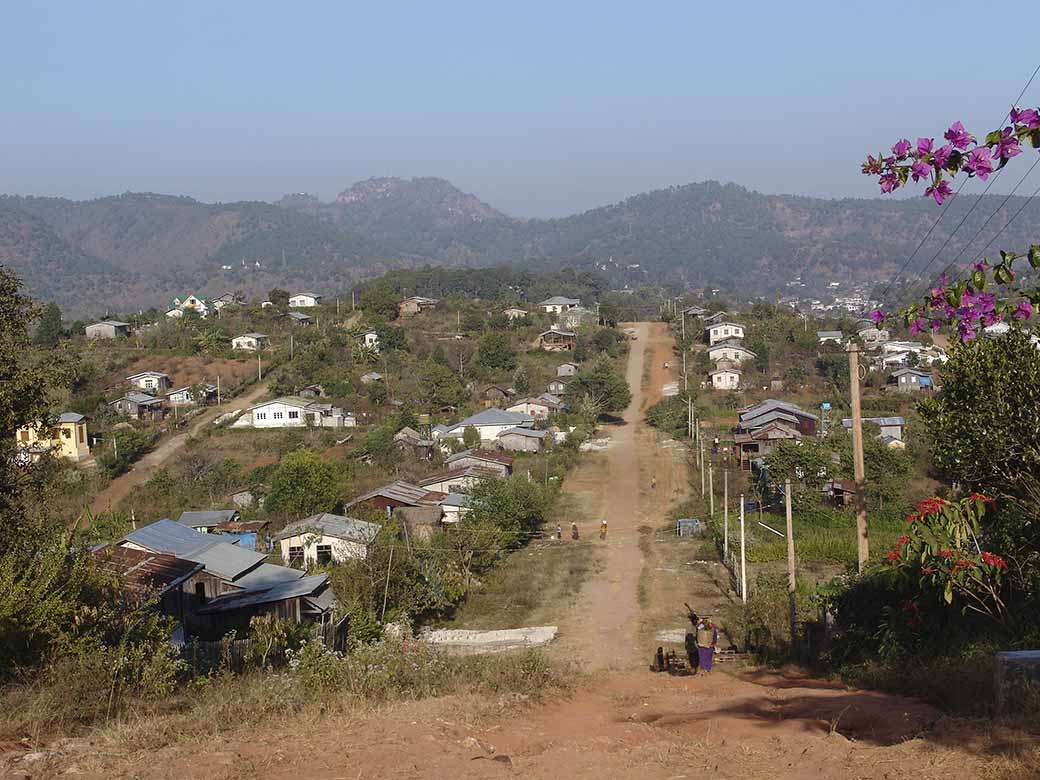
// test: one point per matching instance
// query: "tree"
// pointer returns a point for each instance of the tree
(470, 437)
(601, 383)
(807, 462)
(440, 385)
(278, 297)
(380, 299)
(495, 352)
(49, 330)
(515, 505)
(304, 484)
(521, 381)
(391, 339)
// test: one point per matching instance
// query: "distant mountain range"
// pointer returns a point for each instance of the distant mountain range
(136, 250)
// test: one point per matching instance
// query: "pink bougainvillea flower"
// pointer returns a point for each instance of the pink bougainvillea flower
(979, 163)
(877, 316)
(1025, 116)
(924, 146)
(1024, 311)
(889, 182)
(1007, 147)
(901, 148)
(942, 155)
(918, 326)
(920, 170)
(939, 192)
(980, 266)
(936, 326)
(958, 136)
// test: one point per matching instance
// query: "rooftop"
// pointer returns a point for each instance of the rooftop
(332, 525)
(206, 518)
(219, 556)
(400, 491)
(304, 586)
(146, 572)
(528, 432)
(559, 300)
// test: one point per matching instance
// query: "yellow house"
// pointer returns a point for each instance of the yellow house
(67, 439)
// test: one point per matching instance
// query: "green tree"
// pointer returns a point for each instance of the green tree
(304, 484)
(380, 299)
(440, 385)
(603, 386)
(278, 297)
(807, 462)
(516, 505)
(495, 352)
(470, 437)
(521, 381)
(49, 330)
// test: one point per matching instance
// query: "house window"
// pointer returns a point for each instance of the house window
(277, 415)
(82, 434)
(261, 415)
(324, 553)
(24, 433)
(200, 592)
(66, 433)
(296, 556)
(293, 415)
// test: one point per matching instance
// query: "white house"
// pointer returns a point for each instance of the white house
(539, 408)
(454, 506)
(304, 300)
(457, 480)
(725, 379)
(249, 342)
(558, 304)
(567, 369)
(107, 329)
(832, 336)
(732, 350)
(522, 439)
(153, 381)
(191, 395)
(197, 303)
(489, 424)
(514, 313)
(890, 426)
(873, 337)
(292, 412)
(722, 331)
(325, 538)
(370, 339)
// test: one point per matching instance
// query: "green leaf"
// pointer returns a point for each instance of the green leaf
(994, 137)
(978, 280)
(1034, 255)
(948, 592)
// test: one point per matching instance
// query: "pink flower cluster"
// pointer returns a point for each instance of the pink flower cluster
(961, 153)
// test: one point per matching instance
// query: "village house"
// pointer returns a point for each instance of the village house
(890, 426)
(205, 520)
(489, 460)
(311, 392)
(195, 303)
(306, 600)
(304, 300)
(724, 331)
(522, 439)
(557, 387)
(454, 506)
(567, 370)
(249, 342)
(732, 350)
(873, 337)
(539, 408)
(153, 577)
(151, 381)
(396, 495)
(66, 439)
(192, 395)
(754, 417)
(558, 304)
(496, 395)
(370, 338)
(761, 442)
(557, 340)
(576, 316)
(712, 319)
(299, 318)
(489, 424)
(412, 442)
(513, 313)
(227, 299)
(830, 336)
(911, 380)
(138, 406)
(325, 538)
(417, 304)
(107, 329)
(370, 377)
(457, 480)
(694, 311)
(292, 412)
(725, 378)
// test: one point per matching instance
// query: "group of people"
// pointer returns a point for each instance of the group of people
(574, 531)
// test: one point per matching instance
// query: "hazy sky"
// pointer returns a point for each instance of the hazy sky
(541, 109)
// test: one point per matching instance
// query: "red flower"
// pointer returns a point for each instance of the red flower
(946, 553)
(910, 518)
(983, 498)
(893, 556)
(928, 570)
(930, 506)
(994, 560)
(903, 540)
(963, 563)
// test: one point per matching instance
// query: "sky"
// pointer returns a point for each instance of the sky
(540, 109)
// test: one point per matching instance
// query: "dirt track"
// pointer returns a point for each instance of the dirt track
(622, 721)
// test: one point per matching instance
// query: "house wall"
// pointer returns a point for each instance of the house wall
(734, 354)
(453, 485)
(517, 443)
(717, 333)
(302, 301)
(151, 383)
(452, 514)
(566, 370)
(65, 440)
(342, 549)
(490, 465)
(539, 411)
(101, 331)
(276, 415)
(243, 342)
(726, 380)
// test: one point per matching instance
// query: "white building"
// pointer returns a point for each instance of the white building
(249, 342)
(152, 381)
(721, 331)
(107, 329)
(515, 313)
(191, 395)
(539, 408)
(725, 379)
(370, 339)
(292, 412)
(325, 538)
(732, 350)
(558, 304)
(489, 424)
(197, 303)
(304, 300)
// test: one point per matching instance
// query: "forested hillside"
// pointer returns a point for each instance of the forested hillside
(138, 249)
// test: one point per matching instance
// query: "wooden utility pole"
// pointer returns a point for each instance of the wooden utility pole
(743, 555)
(290, 346)
(686, 381)
(218, 389)
(259, 367)
(725, 514)
(859, 470)
(792, 582)
(701, 450)
(353, 301)
(711, 490)
(689, 416)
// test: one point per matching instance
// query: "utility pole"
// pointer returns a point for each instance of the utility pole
(792, 583)
(218, 389)
(353, 303)
(725, 514)
(290, 346)
(743, 555)
(689, 416)
(686, 380)
(259, 368)
(711, 490)
(859, 470)
(701, 450)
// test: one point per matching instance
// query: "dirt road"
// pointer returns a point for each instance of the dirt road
(622, 721)
(120, 487)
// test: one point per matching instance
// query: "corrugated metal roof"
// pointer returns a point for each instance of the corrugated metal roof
(305, 586)
(559, 300)
(479, 454)
(228, 561)
(70, 417)
(494, 417)
(207, 518)
(457, 499)
(146, 572)
(338, 526)
(220, 557)
(884, 422)
(404, 492)
(267, 575)
(529, 432)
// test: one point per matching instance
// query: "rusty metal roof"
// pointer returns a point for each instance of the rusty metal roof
(146, 572)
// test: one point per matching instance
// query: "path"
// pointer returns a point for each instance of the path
(120, 487)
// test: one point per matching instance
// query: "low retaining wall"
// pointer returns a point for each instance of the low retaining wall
(463, 641)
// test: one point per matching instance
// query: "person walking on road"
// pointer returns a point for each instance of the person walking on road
(574, 531)
(559, 532)
(653, 481)
(691, 643)
(603, 530)
(707, 640)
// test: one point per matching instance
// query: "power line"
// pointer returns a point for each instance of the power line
(946, 205)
